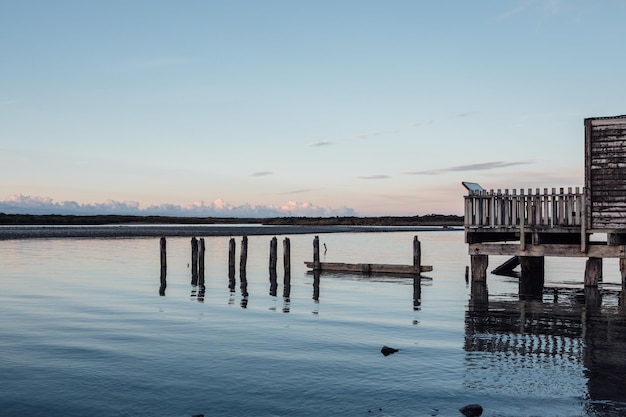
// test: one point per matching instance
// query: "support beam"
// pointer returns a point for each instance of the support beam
(508, 249)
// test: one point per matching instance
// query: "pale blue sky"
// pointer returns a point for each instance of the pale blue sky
(319, 107)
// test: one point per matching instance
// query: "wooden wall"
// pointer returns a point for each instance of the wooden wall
(605, 172)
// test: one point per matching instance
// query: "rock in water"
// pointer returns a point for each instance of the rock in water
(386, 350)
(471, 410)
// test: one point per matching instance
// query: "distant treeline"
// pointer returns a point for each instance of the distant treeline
(54, 219)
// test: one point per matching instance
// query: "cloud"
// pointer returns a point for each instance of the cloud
(377, 134)
(304, 190)
(375, 177)
(261, 174)
(471, 167)
(21, 204)
(321, 143)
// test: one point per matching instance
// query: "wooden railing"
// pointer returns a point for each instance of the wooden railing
(518, 209)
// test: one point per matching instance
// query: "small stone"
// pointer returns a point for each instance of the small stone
(386, 350)
(471, 410)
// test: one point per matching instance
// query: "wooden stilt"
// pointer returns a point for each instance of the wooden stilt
(194, 261)
(287, 264)
(201, 249)
(163, 277)
(273, 261)
(231, 264)
(532, 277)
(593, 271)
(273, 253)
(479, 264)
(316, 253)
(243, 257)
(417, 256)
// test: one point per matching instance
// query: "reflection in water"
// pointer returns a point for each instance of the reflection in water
(231, 279)
(316, 284)
(273, 282)
(163, 281)
(417, 293)
(244, 288)
(563, 333)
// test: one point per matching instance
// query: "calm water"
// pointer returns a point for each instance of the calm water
(85, 333)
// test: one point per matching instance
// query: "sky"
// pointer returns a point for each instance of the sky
(298, 108)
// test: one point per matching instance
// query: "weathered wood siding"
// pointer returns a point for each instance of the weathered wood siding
(605, 172)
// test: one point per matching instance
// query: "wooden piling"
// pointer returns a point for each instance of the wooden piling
(201, 251)
(194, 261)
(231, 264)
(243, 260)
(287, 265)
(163, 277)
(479, 265)
(163, 253)
(272, 268)
(417, 256)
(593, 271)
(316, 253)
(273, 253)
(532, 278)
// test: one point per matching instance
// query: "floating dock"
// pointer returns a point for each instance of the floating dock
(390, 269)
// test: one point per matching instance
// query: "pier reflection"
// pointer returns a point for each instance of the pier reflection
(566, 331)
(243, 286)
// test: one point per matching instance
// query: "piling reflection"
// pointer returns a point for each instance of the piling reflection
(567, 331)
(163, 285)
(243, 286)
(417, 293)
(316, 285)
(273, 282)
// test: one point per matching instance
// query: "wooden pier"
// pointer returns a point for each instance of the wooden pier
(534, 223)
(371, 269)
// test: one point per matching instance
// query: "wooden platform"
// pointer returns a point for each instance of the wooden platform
(390, 269)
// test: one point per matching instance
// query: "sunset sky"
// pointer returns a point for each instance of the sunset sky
(284, 107)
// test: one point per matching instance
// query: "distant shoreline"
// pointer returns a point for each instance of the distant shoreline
(23, 226)
(167, 230)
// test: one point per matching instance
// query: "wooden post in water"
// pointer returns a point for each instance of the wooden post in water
(201, 264)
(194, 261)
(273, 261)
(593, 271)
(316, 254)
(163, 268)
(417, 256)
(532, 278)
(231, 264)
(479, 265)
(273, 253)
(243, 257)
(287, 263)
(243, 260)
